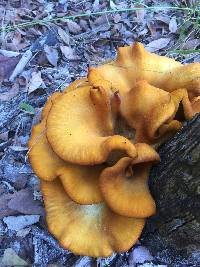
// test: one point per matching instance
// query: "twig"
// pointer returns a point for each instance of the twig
(46, 21)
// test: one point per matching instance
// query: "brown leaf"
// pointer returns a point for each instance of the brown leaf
(4, 210)
(35, 82)
(158, 44)
(4, 136)
(11, 93)
(10, 258)
(23, 202)
(96, 5)
(51, 54)
(64, 36)
(140, 13)
(173, 25)
(7, 65)
(73, 27)
(68, 52)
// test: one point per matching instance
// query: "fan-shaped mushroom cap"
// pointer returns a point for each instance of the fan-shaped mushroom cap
(39, 147)
(125, 185)
(152, 111)
(134, 63)
(92, 230)
(146, 108)
(80, 182)
(80, 127)
(185, 76)
(190, 108)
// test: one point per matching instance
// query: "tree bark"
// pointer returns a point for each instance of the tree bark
(173, 234)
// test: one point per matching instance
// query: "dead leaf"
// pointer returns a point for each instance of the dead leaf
(8, 53)
(10, 94)
(4, 136)
(4, 210)
(151, 28)
(64, 36)
(23, 202)
(51, 54)
(73, 27)
(158, 44)
(163, 18)
(140, 13)
(117, 18)
(100, 20)
(68, 52)
(18, 148)
(96, 5)
(173, 25)
(7, 65)
(35, 82)
(16, 223)
(10, 258)
(112, 5)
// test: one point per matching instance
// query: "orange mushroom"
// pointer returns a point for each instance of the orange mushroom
(96, 122)
(92, 230)
(152, 111)
(134, 63)
(80, 127)
(125, 185)
(80, 182)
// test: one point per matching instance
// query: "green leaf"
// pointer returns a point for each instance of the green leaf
(27, 108)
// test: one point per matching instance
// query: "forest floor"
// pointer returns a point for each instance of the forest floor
(49, 54)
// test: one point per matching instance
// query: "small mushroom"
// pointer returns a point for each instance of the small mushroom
(125, 185)
(80, 127)
(92, 230)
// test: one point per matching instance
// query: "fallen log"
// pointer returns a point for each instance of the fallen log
(173, 234)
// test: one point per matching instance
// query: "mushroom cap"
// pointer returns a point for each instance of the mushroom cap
(92, 230)
(125, 185)
(185, 76)
(146, 108)
(80, 182)
(134, 63)
(80, 127)
(44, 161)
(39, 147)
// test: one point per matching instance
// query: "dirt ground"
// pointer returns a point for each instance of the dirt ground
(49, 54)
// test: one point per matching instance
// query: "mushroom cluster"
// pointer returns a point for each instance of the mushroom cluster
(95, 145)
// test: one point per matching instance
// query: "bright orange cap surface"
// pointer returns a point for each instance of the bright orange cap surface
(125, 185)
(92, 230)
(80, 127)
